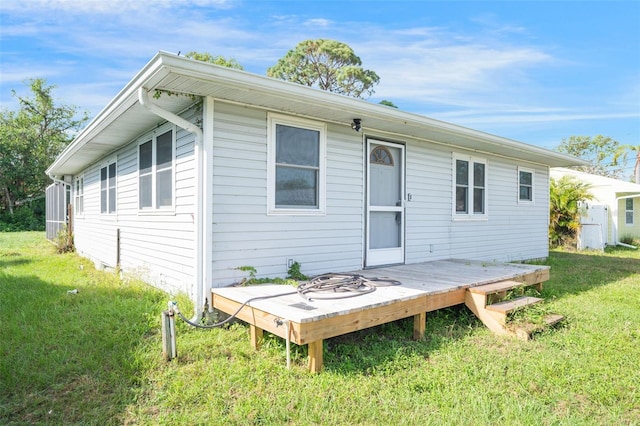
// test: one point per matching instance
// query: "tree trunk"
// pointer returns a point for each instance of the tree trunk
(636, 169)
(8, 201)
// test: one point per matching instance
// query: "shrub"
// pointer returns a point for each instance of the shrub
(628, 239)
(24, 218)
(64, 241)
(565, 196)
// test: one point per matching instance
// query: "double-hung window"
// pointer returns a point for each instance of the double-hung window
(525, 185)
(108, 188)
(470, 187)
(155, 172)
(296, 151)
(628, 211)
(79, 196)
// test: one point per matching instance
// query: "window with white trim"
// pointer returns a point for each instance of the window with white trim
(108, 189)
(628, 211)
(470, 187)
(525, 185)
(78, 191)
(155, 172)
(296, 166)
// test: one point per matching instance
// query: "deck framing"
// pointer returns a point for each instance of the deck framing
(424, 287)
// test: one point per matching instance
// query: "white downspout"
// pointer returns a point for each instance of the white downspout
(199, 293)
(206, 186)
(615, 221)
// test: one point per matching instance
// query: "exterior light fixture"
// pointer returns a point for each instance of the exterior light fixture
(356, 124)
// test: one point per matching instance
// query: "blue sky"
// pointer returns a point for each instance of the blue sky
(536, 71)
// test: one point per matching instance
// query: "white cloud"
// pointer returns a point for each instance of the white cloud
(485, 74)
(107, 6)
(318, 22)
(17, 71)
(441, 69)
(490, 23)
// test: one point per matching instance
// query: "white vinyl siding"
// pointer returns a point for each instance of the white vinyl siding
(509, 233)
(158, 248)
(244, 233)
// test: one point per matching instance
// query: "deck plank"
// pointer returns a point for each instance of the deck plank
(428, 278)
(500, 286)
(509, 306)
(424, 287)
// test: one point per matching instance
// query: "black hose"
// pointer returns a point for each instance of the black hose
(221, 323)
(322, 287)
(340, 286)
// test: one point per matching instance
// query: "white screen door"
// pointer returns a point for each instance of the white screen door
(385, 203)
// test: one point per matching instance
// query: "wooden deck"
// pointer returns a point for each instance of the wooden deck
(424, 287)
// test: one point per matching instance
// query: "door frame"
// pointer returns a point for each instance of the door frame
(378, 257)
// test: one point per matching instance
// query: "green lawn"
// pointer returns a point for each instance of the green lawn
(95, 357)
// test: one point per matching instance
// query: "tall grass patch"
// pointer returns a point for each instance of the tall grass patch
(71, 337)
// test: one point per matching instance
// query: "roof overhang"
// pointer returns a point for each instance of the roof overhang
(124, 119)
(620, 188)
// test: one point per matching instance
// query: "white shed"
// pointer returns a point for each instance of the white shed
(194, 170)
(619, 200)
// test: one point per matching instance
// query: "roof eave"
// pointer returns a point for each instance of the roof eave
(117, 106)
(376, 114)
(164, 67)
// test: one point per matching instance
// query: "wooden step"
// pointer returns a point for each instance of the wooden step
(513, 304)
(501, 287)
(524, 331)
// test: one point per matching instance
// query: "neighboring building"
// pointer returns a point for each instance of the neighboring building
(615, 207)
(194, 170)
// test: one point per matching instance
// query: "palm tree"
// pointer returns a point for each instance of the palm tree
(636, 167)
(621, 152)
(565, 196)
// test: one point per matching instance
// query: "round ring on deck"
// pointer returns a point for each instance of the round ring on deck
(340, 286)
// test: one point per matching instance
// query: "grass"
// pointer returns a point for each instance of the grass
(95, 357)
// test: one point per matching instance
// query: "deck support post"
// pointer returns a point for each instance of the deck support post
(315, 356)
(256, 336)
(419, 325)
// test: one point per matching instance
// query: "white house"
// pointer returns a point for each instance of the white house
(194, 170)
(615, 205)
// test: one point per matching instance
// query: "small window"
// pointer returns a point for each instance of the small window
(296, 166)
(628, 211)
(145, 177)
(462, 186)
(381, 155)
(525, 185)
(470, 194)
(79, 196)
(155, 172)
(478, 188)
(108, 189)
